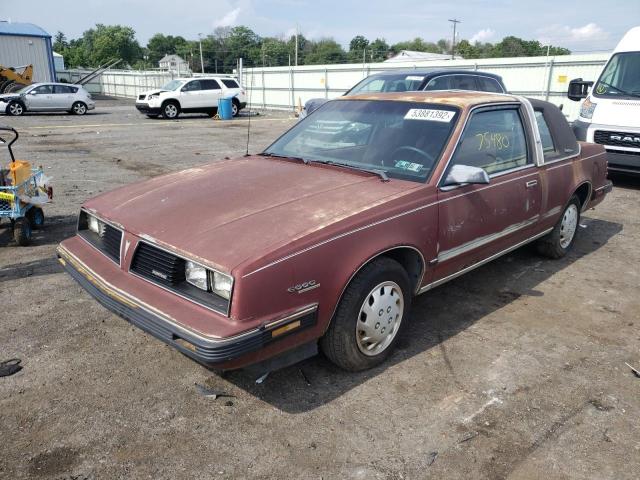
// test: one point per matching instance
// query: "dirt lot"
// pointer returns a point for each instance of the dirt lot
(516, 370)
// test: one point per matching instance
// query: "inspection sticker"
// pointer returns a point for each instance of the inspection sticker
(414, 167)
(429, 114)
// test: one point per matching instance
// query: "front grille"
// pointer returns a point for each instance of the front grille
(108, 243)
(168, 270)
(603, 137)
(141, 97)
(158, 265)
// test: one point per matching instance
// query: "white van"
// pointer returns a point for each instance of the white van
(610, 113)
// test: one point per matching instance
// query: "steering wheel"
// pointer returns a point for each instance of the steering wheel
(422, 153)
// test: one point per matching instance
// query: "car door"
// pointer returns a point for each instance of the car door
(477, 221)
(40, 98)
(190, 97)
(211, 92)
(62, 97)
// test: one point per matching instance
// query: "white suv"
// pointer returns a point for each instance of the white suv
(188, 95)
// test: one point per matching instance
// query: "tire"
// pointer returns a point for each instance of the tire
(4, 85)
(384, 285)
(13, 88)
(557, 243)
(79, 108)
(170, 110)
(36, 217)
(15, 109)
(235, 108)
(22, 231)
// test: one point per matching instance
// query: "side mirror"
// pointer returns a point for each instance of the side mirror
(33, 92)
(465, 174)
(578, 89)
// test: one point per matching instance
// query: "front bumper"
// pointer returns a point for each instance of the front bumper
(145, 108)
(208, 351)
(619, 160)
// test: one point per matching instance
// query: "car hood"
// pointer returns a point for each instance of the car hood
(230, 212)
(8, 96)
(151, 92)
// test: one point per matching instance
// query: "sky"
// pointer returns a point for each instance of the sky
(582, 26)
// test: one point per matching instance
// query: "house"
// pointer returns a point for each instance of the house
(174, 63)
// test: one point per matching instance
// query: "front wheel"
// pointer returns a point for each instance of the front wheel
(22, 231)
(170, 111)
(79, 108)
(373, 310)
(557, 243)
(15, 108)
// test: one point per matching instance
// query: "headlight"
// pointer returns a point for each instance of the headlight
(221, 284)
(196, 275)
(95, 225)
(152, 96)
(587, 108)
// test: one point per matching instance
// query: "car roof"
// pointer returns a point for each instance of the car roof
(432, 72)
(53, 83)
(456, 98)
(208, 77)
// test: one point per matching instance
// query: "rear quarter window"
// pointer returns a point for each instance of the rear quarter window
(489, 85)
(230, 83)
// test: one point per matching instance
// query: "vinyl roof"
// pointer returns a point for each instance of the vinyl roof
(459, 98)
(24, 29)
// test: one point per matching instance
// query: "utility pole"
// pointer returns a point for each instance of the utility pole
(453, 42)
(201, 60)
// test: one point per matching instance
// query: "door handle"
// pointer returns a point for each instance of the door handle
(531, 183)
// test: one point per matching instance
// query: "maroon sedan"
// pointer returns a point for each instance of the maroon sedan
(325, 237)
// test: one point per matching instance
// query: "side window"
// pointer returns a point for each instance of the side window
(488, 84)
(463, 82)
(230, 83)
(548, 147)
(192, 86)
(493, 140)
(61, 89)
(438, 83)
(73, 89)
(43, 89)
(209, 85)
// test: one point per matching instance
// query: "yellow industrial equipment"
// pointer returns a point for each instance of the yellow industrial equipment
(14, 78)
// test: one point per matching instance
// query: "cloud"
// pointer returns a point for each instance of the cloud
(229, 19)
(483, 35)
(591, 32)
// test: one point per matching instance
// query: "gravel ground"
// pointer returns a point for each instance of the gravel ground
(516, 370)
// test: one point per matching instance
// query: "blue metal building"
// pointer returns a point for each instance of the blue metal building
(25, 44)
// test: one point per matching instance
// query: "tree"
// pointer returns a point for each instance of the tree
(274, 52)
(416, 45)
(357, 48)
(326, 51)
(60, 42)
(378, 50)
(160, 45)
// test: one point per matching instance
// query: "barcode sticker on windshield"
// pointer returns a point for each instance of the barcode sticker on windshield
(414, 78)
(429, 114)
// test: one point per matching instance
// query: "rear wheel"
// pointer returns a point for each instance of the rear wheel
(557, 243)
(13, 88)
(170, 110)
(15, 108)
(22, 231)
(36, 217)
(235, 108)
(79, 108)
(372, 311)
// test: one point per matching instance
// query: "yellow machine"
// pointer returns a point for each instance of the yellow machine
(11, 79)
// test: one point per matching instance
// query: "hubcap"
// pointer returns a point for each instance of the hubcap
(16, 109)
(234, 109)
(80, 109)
(569, 225)
(379, 318)
(171, 111)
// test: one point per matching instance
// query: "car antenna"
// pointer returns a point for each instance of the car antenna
(246, 153)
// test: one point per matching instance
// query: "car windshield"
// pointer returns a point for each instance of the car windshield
(621, 77)
(388, 83)
(24, 89)
(402, 139)
(173, 85)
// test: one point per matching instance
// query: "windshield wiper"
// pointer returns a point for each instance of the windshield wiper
(381, 173)
(624, 92)
(267, 154)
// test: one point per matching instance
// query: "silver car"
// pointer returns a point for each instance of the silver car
(48, 97)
